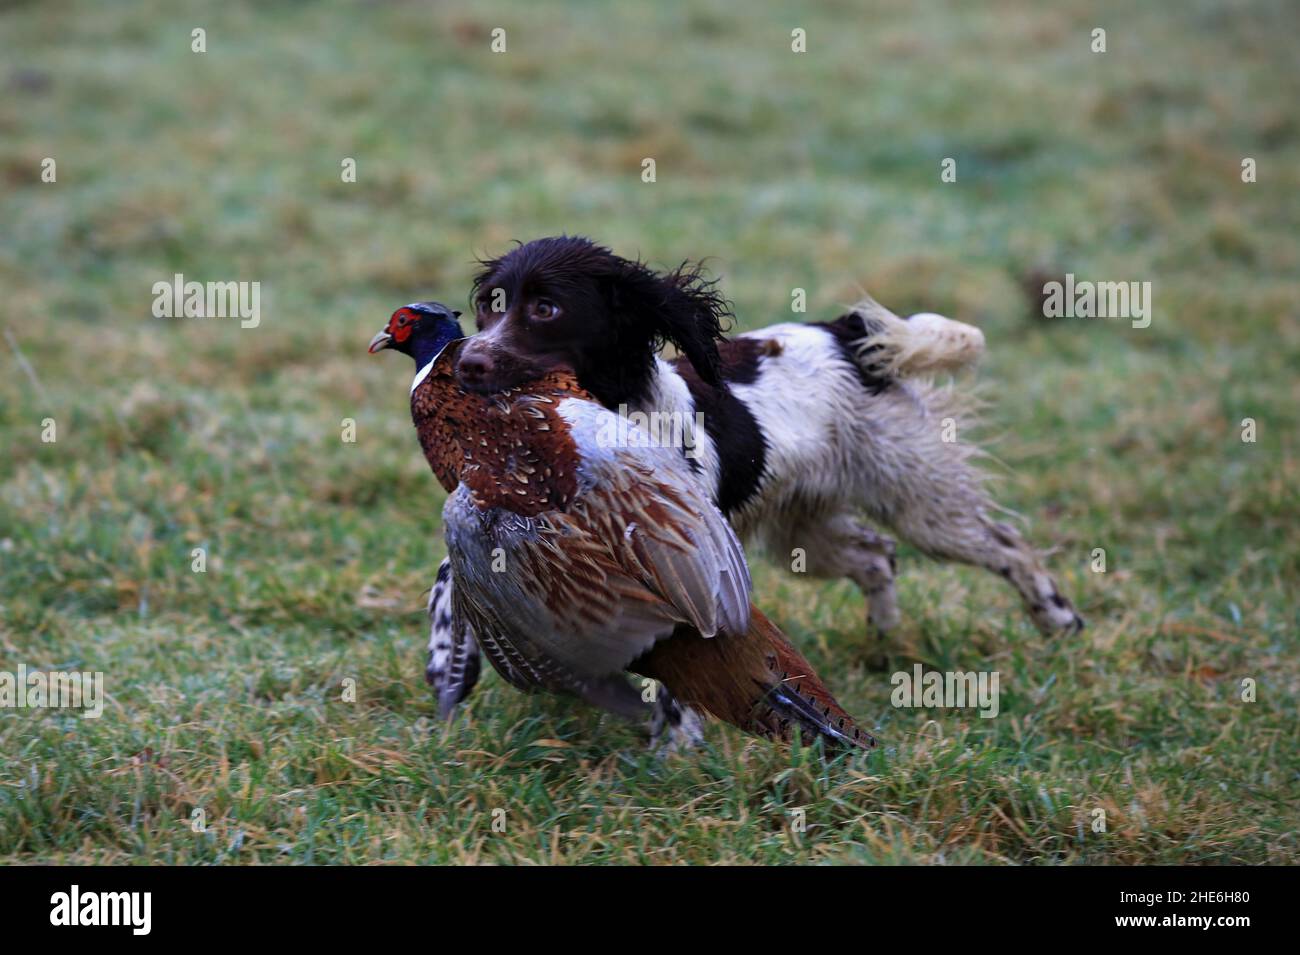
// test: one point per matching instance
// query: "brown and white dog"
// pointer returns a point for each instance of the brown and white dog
(801, 433)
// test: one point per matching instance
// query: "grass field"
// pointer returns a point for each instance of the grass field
(818, 170)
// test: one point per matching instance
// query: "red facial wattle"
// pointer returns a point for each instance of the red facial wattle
(400, 325)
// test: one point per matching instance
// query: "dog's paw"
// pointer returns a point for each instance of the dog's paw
(1057, 617)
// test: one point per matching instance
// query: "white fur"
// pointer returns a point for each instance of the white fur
(804, 430)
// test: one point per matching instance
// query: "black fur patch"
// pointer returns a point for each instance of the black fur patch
(742, 448)
(848, 330)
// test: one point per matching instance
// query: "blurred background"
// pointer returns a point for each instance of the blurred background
(817, 170)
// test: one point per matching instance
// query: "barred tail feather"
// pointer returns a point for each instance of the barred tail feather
(756, 681)
(453, 663)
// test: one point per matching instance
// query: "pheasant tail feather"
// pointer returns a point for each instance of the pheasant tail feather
(757, 682)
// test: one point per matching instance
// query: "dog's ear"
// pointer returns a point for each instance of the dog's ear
(693, 319)
(682, 306)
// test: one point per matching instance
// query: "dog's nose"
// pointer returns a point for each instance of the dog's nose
(474, 367)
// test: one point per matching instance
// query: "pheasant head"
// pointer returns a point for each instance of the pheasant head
(421, 330)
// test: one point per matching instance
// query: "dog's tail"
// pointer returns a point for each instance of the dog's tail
(923, 344)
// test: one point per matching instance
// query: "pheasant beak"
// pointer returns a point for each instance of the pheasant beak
(380, 342)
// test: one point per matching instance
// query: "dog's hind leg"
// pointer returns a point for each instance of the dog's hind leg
(1016, 560)
(925, 486)
(962, 530)
(998, 547)
(843, 546)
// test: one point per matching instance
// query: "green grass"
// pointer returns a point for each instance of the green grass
(818, 171)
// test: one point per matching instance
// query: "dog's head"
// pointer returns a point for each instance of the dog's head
(566, 302)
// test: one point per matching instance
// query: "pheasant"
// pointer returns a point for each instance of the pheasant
(579, 558)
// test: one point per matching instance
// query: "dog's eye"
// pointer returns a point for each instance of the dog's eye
(544, 310)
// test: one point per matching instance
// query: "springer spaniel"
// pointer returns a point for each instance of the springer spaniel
(797, 431)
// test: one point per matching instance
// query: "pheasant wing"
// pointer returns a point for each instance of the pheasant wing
(592, 587)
